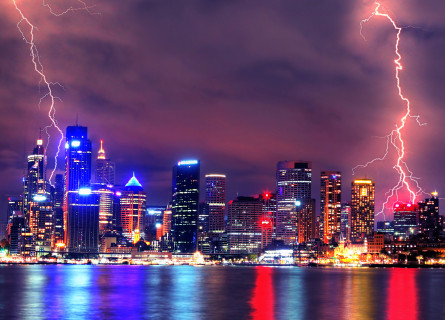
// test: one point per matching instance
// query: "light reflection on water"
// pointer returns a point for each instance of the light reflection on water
(186, 292)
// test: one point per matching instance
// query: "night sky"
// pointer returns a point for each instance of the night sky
(239, 85)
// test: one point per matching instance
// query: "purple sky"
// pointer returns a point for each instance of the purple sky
(239, 85)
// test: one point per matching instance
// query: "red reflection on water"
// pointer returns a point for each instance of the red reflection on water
(262, 301)
(402, 294)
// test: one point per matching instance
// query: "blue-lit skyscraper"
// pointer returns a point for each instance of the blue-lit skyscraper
(185, 200)
(78, 158)
(81, 204)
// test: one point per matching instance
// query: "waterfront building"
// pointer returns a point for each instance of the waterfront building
(185, 200)
(81, 204)
(82, 223)
(34, 180)
(268, 222)
(345, 221)
(244, 225)
(306, 221)
(406, 220)
(133, 202)
(77, 158)
(215, 198)
(105, 168)
(58, 209)
(293, 187)
(106, 206)
(330, 200)
(430, 222)
(362, 209)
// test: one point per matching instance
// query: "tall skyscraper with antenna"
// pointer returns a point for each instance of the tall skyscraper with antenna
(105, 168)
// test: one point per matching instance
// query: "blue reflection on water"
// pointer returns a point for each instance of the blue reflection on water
(185, 292)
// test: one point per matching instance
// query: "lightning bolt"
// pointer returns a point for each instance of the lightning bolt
(395, 138)
(28, 37)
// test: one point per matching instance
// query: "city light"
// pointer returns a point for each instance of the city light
(187, 162)
(84, 191)
(39, 198)
(75, 143)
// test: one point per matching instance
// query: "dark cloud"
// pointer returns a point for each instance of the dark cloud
(237, 84)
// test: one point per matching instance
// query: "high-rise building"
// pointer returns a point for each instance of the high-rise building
(215, 198)
(58, 209)
(293, 184)
(430, 222)
(268, 222)
(105, 168)
(15, 204)
(106, 207)
(185, 200)
(77, 158)
(345, 223)
(35, 187)
(81, 204)
(330, 200)
(133, 210)
(406, 220)
(362, 209)
(306, 221)
(244, 225)
(385, 227)
(82, 223)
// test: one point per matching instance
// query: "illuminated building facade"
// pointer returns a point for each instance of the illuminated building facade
(185, 200)
(345, 223)
(133, 203)
(306, 221)
(58, 209)
(430, 222)
(106, 207)
(362, 209)
(215, 198)
(81, 204)
(244, 225)
(77, 158)
(330, 200)
(153, 223)
(293, 184)
(82, 224)
(406, 220)
(268, 222)
(43, 227)
(105, 168)
(385, 227)
(34, 180)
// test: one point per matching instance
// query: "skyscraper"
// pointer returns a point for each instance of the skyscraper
(81, 204)
(362, 209)
(77, 158)
(105, 168)
(34, 181)
(215, 198)
(244, 225)
(406, 220)
(430, 222)
(330, 200)
(133, 210)
(58, 209)
(306, 221)
(185, 200)
(293, 187)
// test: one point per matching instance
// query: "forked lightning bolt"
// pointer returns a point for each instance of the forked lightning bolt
(395, 137)
(28, 37)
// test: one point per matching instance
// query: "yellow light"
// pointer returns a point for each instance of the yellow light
(362, 181)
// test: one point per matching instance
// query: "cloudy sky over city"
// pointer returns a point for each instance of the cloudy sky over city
(239, 85)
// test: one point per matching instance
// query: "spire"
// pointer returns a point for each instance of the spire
(133, 182)
(101, 153)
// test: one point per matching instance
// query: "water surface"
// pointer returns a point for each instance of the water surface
(186, 292)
